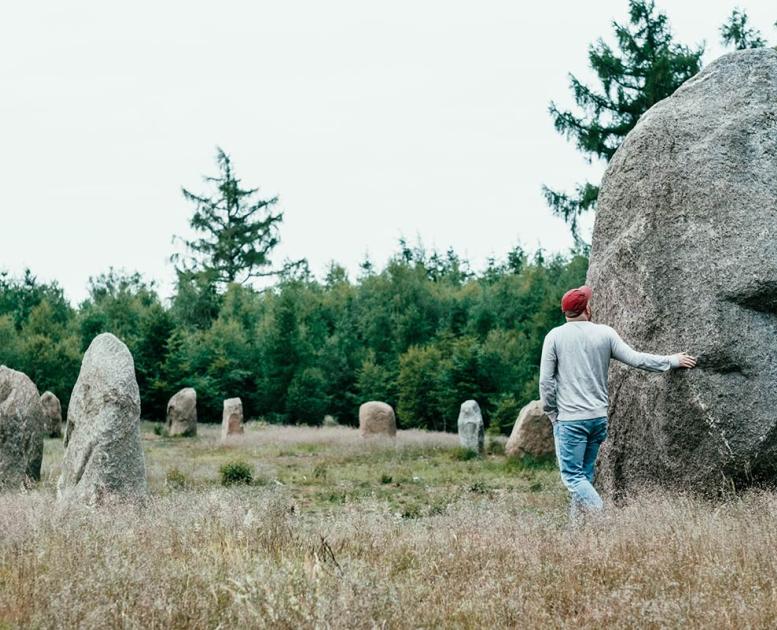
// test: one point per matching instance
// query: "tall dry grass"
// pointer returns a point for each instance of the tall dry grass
(222, 558)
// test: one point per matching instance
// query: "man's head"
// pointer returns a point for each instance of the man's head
(575, 303)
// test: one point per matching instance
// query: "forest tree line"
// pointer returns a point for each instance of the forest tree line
(423, 334)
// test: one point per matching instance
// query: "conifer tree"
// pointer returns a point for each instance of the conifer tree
(646, 67)
(738, 34)
(238, 231)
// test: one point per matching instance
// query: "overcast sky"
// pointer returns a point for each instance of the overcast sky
(371, 120)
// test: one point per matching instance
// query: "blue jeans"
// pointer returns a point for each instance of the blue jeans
(577, 445)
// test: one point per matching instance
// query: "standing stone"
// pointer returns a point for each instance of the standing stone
(182, 413)
(684, 258)
(471, 426)
(103, 452)
(377, 418)
(52, 412)
(532, 433)
(21, 429)
(232, 420)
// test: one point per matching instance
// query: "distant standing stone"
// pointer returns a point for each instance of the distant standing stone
(232, 421)
(471, 426)
(21, 429)
(103, 452)
(182, 413)
(377, 418)
(532, 433)
(52, 412)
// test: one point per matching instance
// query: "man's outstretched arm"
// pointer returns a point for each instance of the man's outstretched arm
(548, 379)
(651, 362)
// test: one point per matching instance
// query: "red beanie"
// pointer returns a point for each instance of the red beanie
(575, 300)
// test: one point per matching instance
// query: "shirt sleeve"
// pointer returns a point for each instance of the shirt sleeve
(624, 353)
(548, 379)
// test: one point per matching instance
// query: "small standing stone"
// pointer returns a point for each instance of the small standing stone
(532, 433)
(377, 418)
(232, 421)
(471, 426)
(21, 429)
(52, 412)
(103, 452)
(182, 413)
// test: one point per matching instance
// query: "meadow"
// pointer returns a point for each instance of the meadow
(336, 532)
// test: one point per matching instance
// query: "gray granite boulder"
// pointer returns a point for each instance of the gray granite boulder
(21, 429)
(232, 419)
(532, 433)
(52, 412)
(684, 258)
(377, 418)
(470, 425)
(103, 452)
(182, 414)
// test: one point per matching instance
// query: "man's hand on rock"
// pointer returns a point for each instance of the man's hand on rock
(685, 360)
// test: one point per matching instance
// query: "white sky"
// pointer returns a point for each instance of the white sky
(370, 120)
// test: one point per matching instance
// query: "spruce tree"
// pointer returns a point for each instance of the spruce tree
(738, 34)
(646, 67)
(238, 232)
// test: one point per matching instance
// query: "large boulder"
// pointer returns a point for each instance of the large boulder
(182, 413)
(470, 426)
(377, 418)
(52, 412)
(103, 453)
(21, 429)
(532, 433)
(232, 419)
(684, 257)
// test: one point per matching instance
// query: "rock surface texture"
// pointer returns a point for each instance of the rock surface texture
(684, 257)
(532, 433)
(377, 418)
(52, 411)
(182, 414)
(471, 426)
(103, 453)
(21, 429)
(232, 420)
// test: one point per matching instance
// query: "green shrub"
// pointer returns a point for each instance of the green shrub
(411, 511)
(175, 479)
(384, 478)
(438, 507)
(479, 487)
(236, 472)
(336, 497)
(159, 429)
(495, 446)
(462, 454)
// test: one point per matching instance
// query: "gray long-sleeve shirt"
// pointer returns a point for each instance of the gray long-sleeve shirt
(573, 372)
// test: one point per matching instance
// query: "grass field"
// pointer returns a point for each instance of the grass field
(338, 532)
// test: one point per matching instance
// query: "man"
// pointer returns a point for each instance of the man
(573, 389)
